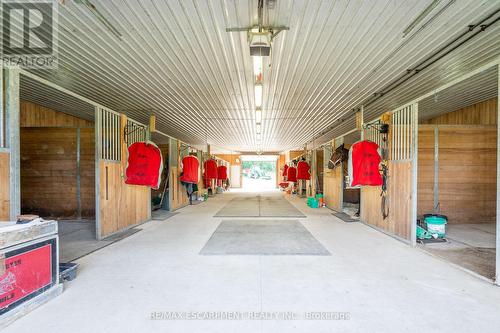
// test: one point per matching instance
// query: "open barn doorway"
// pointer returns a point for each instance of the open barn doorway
(259, 173)
(350, 195)
(57, 164)
(457, 172)
(160, 203)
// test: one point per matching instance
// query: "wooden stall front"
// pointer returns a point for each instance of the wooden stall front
(399, 185)
(332, 188)
(121, 206)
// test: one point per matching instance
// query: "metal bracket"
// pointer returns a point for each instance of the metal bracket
(129, 129)
(274, 31)
(380, 127)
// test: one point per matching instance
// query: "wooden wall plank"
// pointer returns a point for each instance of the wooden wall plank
(425, 170)
(34, 115)
(332, 188)
(399, 199)
(49, 172)
(467, 173)
(484, 113)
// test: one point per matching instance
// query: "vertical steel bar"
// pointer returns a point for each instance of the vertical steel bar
(105, 132)
(112, 118)
(115, 139)
(407, 121)
(403, 134)
(362, 123)
(409, 131)
(116, 132)
(98, 156)
(403, 120)
(118, 135)
(393, 136)
(398, 135)
(398, 144)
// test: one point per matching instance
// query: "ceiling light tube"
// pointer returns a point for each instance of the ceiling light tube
(258, 128)
(258, 116)
(257, 69)
(258, 96)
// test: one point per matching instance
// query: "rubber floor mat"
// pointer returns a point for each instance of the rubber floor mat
(259, 206)
(263, 237)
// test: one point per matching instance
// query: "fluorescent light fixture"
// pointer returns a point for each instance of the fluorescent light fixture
(258, 116)
(257, 69)
(257, 65)
(258, 137)
(421, 17)
(100, 17)
(258, 96)
(258, 128)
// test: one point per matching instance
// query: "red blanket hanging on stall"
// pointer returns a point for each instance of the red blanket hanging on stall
(285, 171)
(292, 174)
(303, 171)
(365, 164)
(210, 167)
(222, 172)
(144, 165)
(190, 166)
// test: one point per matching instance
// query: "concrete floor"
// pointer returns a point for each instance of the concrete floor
(77, 238)
(383, 285)
(469, 245)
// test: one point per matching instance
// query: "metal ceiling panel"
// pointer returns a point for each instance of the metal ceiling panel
(478, 88)
(175, 59)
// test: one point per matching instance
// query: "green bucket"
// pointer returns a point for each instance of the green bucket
(422, 233)
(436, 224)
(314, 203)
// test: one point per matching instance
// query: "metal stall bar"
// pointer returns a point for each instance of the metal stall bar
(98, 155)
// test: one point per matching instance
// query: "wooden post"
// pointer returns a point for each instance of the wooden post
(314, 172)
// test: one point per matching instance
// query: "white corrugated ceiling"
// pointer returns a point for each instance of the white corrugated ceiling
(176, 60)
